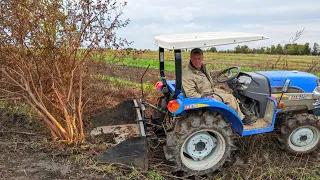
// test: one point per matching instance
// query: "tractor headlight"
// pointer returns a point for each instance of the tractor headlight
(316, 91)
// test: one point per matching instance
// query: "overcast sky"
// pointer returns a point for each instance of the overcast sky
(277, 19)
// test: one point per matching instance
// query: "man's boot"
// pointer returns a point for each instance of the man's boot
(249, 120)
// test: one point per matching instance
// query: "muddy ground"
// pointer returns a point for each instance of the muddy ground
(27, 152)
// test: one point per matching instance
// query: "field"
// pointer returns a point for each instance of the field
(247, 62)
(26, 153)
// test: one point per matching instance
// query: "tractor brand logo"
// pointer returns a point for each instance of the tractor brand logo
(194, 106)
(301, 96)
(293, 96)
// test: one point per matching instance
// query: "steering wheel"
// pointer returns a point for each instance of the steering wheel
(210, 93)
(227, 74)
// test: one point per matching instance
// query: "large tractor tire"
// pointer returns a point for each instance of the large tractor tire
(300, 134)
(200, 144)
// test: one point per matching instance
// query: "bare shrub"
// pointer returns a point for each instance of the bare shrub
(44, 49)
(314, 65)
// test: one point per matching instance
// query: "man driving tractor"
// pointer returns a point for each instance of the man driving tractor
(196, 81)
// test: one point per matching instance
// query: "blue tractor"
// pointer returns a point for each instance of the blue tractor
(199, 131)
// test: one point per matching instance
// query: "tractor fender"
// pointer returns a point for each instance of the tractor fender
(231, 116)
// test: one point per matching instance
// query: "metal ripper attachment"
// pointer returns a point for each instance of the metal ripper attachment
(125, 122)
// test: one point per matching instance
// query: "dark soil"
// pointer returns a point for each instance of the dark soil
(26, 152)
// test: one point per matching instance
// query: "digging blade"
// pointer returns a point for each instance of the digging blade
(132, 151)
(125, 122)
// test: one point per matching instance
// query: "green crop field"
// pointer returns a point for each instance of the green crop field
(247, 62)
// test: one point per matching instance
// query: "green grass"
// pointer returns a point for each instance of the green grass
(143, 63)
(18, 108)
(169, 65)
(123, 82)
(253, 61)
(225, 57)
(154, 175)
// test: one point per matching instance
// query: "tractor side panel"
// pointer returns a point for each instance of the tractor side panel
(296, 101)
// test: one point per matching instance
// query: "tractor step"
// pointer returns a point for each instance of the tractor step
(259, 123)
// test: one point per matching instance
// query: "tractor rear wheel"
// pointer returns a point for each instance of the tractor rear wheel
(300, 134)
(200, 144)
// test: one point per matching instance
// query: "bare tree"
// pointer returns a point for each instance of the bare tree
(44, 48)
(292, 40)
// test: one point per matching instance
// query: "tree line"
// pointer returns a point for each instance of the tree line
(290, 49)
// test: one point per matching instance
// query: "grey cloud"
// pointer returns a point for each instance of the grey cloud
(277, 19)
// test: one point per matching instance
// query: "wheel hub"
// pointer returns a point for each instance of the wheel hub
(302, 137)
(200, 145)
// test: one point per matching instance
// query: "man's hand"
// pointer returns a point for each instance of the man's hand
(213, 97)
(210, 96)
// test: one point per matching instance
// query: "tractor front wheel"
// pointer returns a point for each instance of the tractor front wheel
(200, 144)
(300, 134)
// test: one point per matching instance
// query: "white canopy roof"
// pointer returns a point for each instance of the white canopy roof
(204, 39)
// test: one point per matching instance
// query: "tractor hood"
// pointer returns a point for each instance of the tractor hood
(305, 81)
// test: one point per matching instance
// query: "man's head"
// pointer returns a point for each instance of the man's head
(196, 57)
